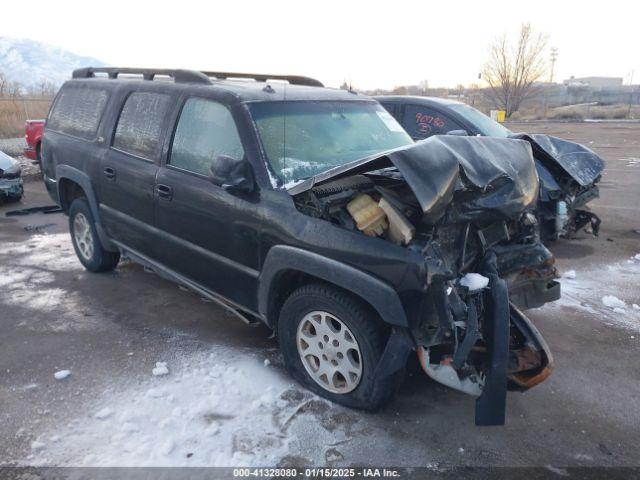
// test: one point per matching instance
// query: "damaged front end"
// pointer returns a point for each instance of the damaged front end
(569, 174)
(482, 344)
(465, 205)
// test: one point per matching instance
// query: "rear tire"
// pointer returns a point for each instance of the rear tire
(86, 242)
(327, 335)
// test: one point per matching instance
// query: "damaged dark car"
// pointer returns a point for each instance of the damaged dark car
(569, 172)
(312, 210)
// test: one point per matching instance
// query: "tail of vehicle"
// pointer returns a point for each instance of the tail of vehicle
(33, 130)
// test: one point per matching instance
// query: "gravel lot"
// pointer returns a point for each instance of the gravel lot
(226, 399)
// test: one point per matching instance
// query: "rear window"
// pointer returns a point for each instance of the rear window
(140, 124)
(78, 111)
(422, 122)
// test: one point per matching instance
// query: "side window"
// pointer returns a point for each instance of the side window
(205, 130)
(422, 122)
(391, 108)
(78, 111)
(140, 124)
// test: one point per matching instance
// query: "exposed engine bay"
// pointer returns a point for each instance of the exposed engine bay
(475, 229)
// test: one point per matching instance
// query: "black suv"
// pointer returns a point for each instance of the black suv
(311, 210)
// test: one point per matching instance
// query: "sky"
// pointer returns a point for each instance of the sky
(369, 44)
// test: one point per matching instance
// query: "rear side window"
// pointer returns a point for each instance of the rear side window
(391, 108)
(205, 130)
(78, 111)
(140, 124)
(422, 122)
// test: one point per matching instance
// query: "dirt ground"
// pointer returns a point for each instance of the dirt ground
(227, 399)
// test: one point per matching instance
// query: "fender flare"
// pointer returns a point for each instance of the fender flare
(382, 297)
(82, 179)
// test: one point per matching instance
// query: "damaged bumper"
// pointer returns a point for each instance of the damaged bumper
(494, 348)
(530, 273)
(11, 187)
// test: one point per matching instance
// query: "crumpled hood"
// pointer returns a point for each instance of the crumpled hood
(579, 162)
(486, 176)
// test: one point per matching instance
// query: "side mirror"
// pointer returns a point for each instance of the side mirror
(232, 174)
(459, 133)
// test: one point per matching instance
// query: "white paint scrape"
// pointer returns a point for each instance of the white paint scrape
(474, 281)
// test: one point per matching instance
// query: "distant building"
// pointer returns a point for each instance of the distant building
(597, 82)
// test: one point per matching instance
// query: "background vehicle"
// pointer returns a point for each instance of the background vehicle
(568, 172)
(10, 179)
(354, 243)
(33, 130)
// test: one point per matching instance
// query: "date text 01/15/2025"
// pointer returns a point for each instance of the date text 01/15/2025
(316, 472)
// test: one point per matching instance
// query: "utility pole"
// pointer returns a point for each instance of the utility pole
(554, 58)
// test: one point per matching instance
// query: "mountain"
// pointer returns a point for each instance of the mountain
(30, 63)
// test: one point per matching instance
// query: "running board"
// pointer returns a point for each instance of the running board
(173, 276)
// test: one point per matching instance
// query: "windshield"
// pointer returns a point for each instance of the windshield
(304, 138)
(484, 124)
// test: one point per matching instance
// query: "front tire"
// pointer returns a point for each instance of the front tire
(332, 343)
(86, 243)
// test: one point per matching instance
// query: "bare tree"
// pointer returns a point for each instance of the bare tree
(512, 70)
(3, 84)
(44, 88)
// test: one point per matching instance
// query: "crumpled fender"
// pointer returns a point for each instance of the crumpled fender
(579, 162)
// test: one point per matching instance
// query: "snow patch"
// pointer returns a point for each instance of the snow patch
(570, 274)
(62, 374)
(614, 302)
(218, 408)
(474, 281)
(604, 293)
(160, 369)
(37, 446)
(104, 413)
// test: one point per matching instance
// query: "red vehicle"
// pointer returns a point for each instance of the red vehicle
(33, 130)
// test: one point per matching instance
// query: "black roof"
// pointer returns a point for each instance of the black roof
(248, 91)
(246, 87)
(426, 101)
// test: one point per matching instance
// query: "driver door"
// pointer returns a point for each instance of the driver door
(208, 235)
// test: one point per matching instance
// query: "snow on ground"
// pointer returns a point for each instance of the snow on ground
(221, 408)
(607, 292)
(28, 279)
(62, 374)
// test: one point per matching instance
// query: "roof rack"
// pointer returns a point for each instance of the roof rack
(264, 77)
(192, 76)
(179, 76)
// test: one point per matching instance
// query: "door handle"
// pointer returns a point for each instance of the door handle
(164, 191)
(110, 173)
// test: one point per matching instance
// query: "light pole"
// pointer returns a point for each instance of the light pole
(554, 58)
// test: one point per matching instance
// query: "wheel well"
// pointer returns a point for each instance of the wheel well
(69, 191)
(287, 281)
